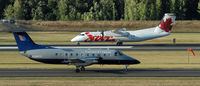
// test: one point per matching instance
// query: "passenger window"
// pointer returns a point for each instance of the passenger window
(115, 53)
(104, 54)
(77, 54)
(66, 54)
(87, 54)
(56, 54)
(92, 54)
(71, 54)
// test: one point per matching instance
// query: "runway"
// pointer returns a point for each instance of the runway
(100, 73)
(136, 47)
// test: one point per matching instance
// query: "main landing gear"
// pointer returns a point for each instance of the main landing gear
(119, 43)
(126, 67)
(79, 68)
(78, 43)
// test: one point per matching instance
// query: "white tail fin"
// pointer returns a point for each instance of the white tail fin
(166, 23)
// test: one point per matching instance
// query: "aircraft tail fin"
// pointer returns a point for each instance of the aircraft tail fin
(24, 42)
(166, 23)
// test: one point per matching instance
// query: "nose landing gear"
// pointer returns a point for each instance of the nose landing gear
(82, 68)
(78, 43)
(79, 69)
(119, 43)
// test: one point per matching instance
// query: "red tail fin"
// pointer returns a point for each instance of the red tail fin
(166, 25)
(167, 22)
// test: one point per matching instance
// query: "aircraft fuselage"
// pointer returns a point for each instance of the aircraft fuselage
(62, 56)
(110, 36)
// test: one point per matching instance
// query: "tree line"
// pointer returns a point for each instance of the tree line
(90, 10)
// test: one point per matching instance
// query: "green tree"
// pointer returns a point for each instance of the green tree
(106, 9)
(150, 10)
(178, 9)
(134, 10)
(141, 9)
(52, 10)
(113, 7)
(9, 12)
(88, 16)
(191, 9)
(3, 5)
(29, 8)
(67, 10)
(95, 12)
(62, 7)
(130, 9)
(153, 10)
(158, 3)
(18, 12)
(165, 7)
(119, 9)
(41, 11)
(199, 8)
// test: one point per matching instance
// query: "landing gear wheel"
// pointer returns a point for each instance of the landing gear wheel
(126, 67)
(119, 43)
(82, 68)
(78, 43)
(77, 70)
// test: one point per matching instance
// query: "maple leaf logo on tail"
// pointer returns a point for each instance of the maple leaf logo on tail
(166, 25)
(167, 22)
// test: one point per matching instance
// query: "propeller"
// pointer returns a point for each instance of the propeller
(102, 32)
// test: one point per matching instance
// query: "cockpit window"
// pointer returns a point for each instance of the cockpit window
(81, 34)
(118, 53)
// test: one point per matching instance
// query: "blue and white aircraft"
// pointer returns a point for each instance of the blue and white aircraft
(78, 57)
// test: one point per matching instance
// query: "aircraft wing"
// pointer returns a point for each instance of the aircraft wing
(84, 61)
(123, 32)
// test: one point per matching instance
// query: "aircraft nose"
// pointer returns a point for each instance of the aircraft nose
(133, 61)
(74, 39)
(136, 61)
(78, 39)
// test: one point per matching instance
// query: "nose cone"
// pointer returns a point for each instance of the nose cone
(75, 39)
(136, 61)
(78, 39)
(132, 60)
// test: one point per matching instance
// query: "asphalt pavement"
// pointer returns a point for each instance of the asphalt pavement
(100, 73)
(138, 47)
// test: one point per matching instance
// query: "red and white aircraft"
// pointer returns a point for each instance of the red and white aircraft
(120, 36)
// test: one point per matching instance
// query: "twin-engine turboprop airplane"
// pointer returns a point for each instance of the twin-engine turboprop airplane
(120, 36)
(78, 57)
